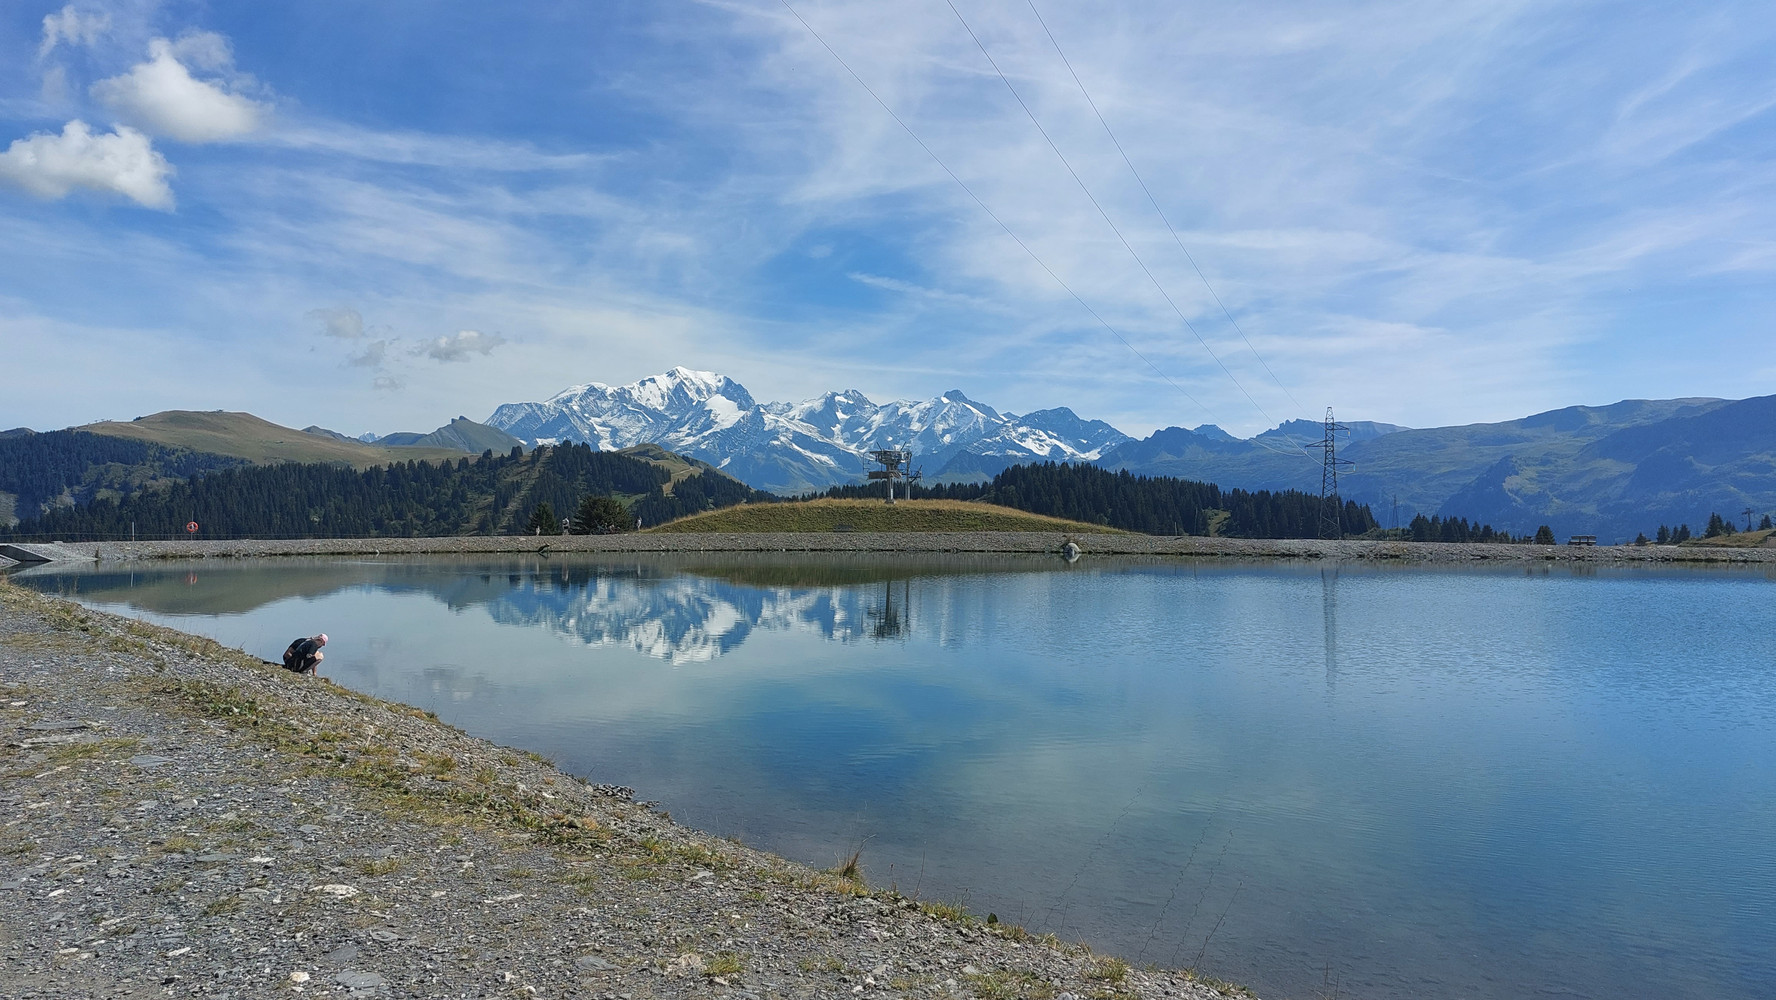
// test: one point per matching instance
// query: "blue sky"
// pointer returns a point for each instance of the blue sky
(378, 216)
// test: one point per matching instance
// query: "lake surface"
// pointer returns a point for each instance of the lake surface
(1381, 782)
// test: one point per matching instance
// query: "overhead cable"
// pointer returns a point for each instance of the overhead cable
(1155, 203)
(993, 215)
(1106, 215)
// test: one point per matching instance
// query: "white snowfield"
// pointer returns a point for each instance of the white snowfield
(800, 447)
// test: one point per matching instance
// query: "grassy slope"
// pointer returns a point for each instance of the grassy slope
(242, 435)
(874, 515)
(1737, 540)
(678, 466)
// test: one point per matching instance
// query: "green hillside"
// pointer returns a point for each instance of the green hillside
(874, 515)
(244, 436)
(39, 472)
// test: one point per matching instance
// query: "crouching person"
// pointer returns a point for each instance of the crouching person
(304, 655)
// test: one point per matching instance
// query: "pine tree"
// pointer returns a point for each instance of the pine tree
(542, 520)
(1544, 535)
(1716, 527)
(1640, 539)
(1664, 536)
(1765, 524)
(601, 515)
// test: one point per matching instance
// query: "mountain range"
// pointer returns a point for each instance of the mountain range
(792, 448)
(1609, 470)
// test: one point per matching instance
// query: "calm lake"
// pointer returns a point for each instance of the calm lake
(1389, 782)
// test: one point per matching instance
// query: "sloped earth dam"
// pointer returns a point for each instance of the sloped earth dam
(1313, 779)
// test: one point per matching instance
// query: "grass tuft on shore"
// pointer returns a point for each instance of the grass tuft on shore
(910, 516)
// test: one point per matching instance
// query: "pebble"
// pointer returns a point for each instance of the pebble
(592, 963)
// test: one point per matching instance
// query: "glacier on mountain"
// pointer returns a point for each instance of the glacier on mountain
(803, 447)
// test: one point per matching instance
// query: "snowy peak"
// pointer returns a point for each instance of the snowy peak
(681, 386)
(668, 392)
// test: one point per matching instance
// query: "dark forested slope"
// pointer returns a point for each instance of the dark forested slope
(62, 468)
(1155, 505)
(492, 494)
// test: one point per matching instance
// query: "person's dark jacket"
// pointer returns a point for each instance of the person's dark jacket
(301, 657)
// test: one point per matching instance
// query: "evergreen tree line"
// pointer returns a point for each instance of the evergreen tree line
(1155, 505)
(42, 469)
(1717, 526)
(1459, 529)
(487, 495)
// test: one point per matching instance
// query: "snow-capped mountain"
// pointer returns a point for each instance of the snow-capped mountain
(800, 447)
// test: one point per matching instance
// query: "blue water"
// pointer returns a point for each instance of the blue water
(1379, 782)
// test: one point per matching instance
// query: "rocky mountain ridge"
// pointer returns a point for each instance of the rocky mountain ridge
(794, 448)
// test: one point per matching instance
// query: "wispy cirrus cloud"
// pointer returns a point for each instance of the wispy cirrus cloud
(72, 26)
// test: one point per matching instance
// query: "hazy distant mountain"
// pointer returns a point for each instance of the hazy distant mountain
(461, 434)
(1610, 470)
(800, 447)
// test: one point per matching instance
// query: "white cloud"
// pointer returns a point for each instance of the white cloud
(162, 96)
(204, 50)
(344, 322)
(122, 162)
(388, 383)
(459, 347)
(371, 357)
(71, 26)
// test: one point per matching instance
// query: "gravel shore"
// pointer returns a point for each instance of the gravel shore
(185, 820)
(982, 541)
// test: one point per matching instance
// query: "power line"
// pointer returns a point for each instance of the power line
(994, 216)
(1106, 215)
(1155, 203)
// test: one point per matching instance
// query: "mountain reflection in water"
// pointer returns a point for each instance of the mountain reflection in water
(692, 618)
(678, 610)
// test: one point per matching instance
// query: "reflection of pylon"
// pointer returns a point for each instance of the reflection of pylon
(1331, 508)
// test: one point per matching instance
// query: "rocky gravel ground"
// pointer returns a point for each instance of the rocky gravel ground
(978, 541)
(181, 819)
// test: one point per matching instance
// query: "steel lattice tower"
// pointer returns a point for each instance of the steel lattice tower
(1331, 508)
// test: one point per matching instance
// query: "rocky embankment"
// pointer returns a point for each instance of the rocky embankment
(181, 819)
(976, 541)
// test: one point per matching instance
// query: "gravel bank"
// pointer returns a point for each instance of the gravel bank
(181, 819)
(983, 541)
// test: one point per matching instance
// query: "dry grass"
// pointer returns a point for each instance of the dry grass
(242, 435)
(1756, 538)
(914, 516)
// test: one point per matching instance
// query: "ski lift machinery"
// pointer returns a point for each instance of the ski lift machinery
(892, 462)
